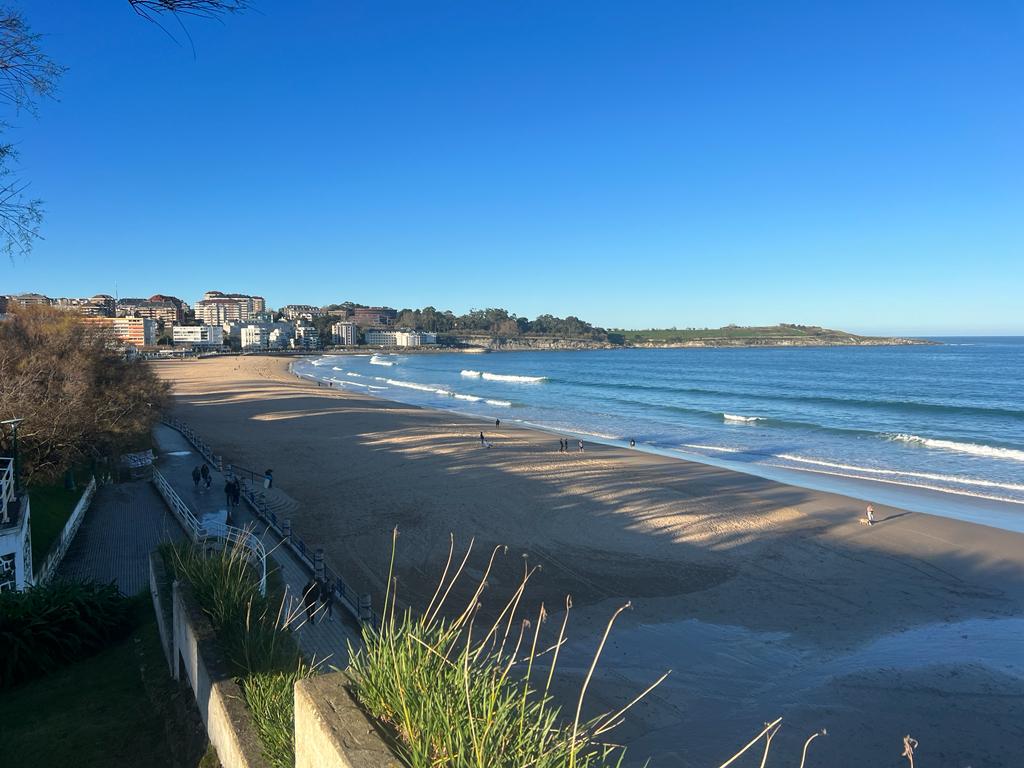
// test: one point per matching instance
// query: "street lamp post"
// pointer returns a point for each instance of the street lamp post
(13, 424)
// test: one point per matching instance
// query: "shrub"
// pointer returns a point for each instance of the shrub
(46, 627)
(457, 695)
(254, 636)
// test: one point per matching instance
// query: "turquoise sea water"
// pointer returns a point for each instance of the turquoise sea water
(937, 428)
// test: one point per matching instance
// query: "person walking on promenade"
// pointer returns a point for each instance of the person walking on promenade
(205, 472)
(324, 596)
(309, 597)
(871, 514)
(268, 479)
(229, 493)
(196, 477)
(236, 492)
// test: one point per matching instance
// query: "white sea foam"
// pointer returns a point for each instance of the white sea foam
(900, 473)
(377, 361)
(904, 483)
(336, 368)
(499, 403)
(712, 448)
(741, 419)
(513, 379)
(974, 449)
(411, 385)
(352, 373)
(475, 374)
(470, 398)
(370, 386)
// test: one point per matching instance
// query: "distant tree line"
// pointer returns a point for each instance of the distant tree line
(498, 322)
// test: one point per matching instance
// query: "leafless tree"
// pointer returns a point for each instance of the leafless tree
(27, 75)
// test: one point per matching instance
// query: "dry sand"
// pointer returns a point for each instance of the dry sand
(764, 599)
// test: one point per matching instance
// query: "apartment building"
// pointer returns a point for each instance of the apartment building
(374, 316)
(298, 311)
(344, 334)
(15, 532)
(217, 308)
(257, 336)
(306, 336)
(387, 337)
(206, 336)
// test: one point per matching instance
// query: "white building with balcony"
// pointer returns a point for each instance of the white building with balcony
(344, 334)
(257, 336)
(386, 337)
(15, 533)
(207, 336)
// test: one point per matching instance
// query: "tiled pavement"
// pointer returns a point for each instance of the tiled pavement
(122, 526)
(324, 640)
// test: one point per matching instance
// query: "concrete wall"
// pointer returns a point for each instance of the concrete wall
(160, 592)
(331, 730)
(197, 656)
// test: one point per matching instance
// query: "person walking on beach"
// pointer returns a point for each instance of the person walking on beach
(482, 441)
(497, 423)
(871, 514)
(309, 597)
(581, 446)
(196, 477)
(632, 443)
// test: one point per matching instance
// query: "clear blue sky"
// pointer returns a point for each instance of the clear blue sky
(655, 163)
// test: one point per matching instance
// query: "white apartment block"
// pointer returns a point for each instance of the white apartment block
(306, 336)
(256, 336)
(385, 337)
(197, 336)
(297, 311)
(344, 334)
(15, 533)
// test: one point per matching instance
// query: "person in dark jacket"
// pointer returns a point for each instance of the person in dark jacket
(324, 596)
(309, 596)
(196, 476)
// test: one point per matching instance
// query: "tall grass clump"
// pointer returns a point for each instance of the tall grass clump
(48, 626)
(254, 634)
(460, 695)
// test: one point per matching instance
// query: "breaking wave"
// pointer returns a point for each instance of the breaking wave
(989, 451)
(503, 377)
(377, 361)
(741, 419)
(499, 403)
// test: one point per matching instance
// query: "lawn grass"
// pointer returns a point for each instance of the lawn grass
(52, 505)
(119, 707)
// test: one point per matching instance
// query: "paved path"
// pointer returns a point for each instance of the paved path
(326, 639)
(122, 526)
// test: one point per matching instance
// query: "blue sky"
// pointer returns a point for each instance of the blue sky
(657, 163)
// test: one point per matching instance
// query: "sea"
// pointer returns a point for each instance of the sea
(932, 428)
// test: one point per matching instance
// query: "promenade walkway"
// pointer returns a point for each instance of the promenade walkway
(323, 640)
(123, 525)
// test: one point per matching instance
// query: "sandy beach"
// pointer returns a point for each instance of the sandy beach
(764, 599)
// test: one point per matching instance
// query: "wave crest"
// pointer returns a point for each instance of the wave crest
(989, 451)
(741, 419)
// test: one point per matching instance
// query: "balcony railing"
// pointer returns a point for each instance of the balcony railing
(6, 489)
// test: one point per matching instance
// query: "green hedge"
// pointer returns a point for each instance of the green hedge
(46, 627)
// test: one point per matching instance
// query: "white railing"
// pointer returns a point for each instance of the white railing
(6, 487)
(216, 535)
(67, 535)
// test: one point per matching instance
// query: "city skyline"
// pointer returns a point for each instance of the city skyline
(856, 167)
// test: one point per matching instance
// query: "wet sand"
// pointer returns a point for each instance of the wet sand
(765, 599)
